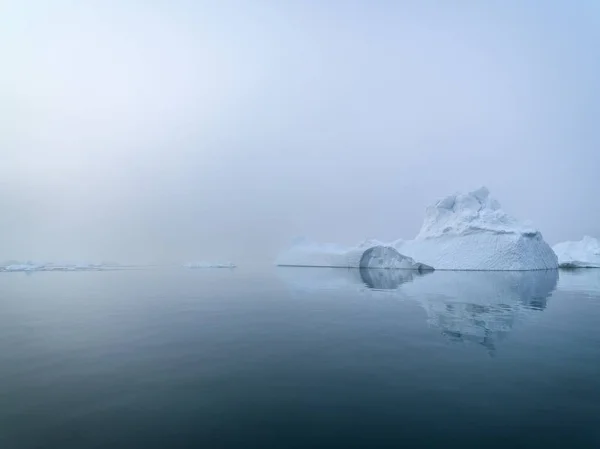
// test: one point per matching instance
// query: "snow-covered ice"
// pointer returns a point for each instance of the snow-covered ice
(584, 253)
(471, 232)
(193, 265)
(369, 254)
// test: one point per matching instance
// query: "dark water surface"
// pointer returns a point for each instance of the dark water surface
(299, 358)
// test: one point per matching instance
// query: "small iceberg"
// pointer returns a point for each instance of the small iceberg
(63, 266)
(27, 266)
(368, 255)
(471, 232)
(197, 265)
(584, 253)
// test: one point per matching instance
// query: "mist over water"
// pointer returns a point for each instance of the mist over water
(178, 131)
(139, 138)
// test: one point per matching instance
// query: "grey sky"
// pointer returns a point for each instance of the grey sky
(182, 130)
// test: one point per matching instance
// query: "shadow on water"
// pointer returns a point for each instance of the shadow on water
(468, 307)
(580, 280)
(379, 279)
(357, 280)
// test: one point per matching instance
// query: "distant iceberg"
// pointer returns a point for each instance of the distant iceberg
(369, 254)
(471, 232)
(194, 265)
(584, 253)
(30, 266)
(27, 266)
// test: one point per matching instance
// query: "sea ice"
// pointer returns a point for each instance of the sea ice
(27, 266)
(584, 253)
(63, 266)
(471, 232)
(369, 254)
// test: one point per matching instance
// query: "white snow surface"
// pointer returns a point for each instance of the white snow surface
(584, 253)
(368, 254)
(471, 232)
(193, 265)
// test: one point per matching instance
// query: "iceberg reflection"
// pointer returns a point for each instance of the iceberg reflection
(379, 279)
(580, 280)
(482, 307)
(310, 279)
(467, 306)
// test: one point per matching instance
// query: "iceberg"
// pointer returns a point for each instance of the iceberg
(584, 253)
(194, 265)
(367, 255)
(48, 266)
(471, 232)
(27, 266)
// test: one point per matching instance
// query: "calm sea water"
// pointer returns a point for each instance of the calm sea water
(299, 358)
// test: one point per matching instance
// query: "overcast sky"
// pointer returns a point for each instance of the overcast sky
(170, 131)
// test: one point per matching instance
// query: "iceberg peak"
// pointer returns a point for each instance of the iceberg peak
(466, 213)
(470, 231)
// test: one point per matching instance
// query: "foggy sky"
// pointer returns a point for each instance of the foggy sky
(172, 131)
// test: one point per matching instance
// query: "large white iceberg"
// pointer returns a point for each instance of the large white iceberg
(369, 254)
(471, 232)
(582, 254)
